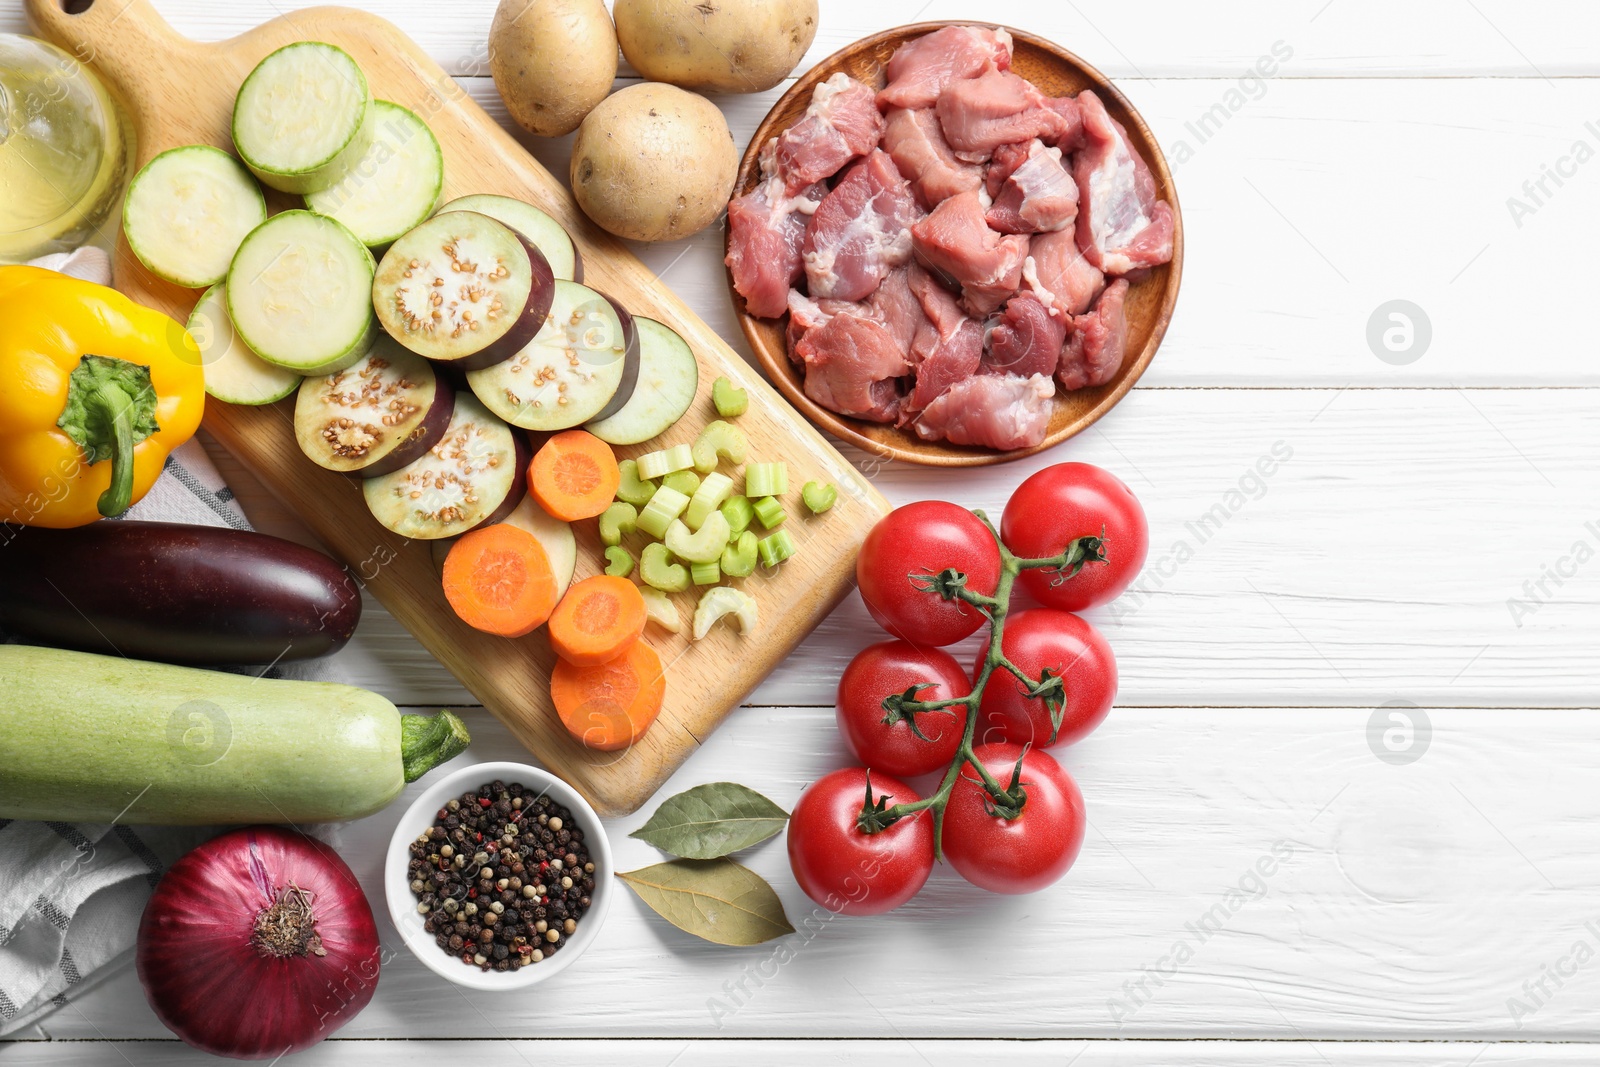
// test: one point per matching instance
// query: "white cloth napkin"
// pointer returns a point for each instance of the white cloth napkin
(71, 894)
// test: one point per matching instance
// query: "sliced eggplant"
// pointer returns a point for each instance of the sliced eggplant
(476, 474)
(546, 234)
(630, 362)
(375, 417)
(668, 379)
(555, 536)
(567, 373)
(463, 289)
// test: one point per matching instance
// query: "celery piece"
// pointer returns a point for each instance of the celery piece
(739, 558)
(633, 489)
(705, 573)
(658, 570)
(818, 496)
(730, 400)
(766, 479)
(659, 609)
(719, 439)
(704, 546)
(616, 521)
(619, 561)
(724, 600)
(685, 482)
(664, 462)
(666, 505)
(776, 548)
(708, 498)
(739, 513)
(770, 512)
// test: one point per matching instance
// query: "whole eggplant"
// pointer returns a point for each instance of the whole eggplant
(197, 595)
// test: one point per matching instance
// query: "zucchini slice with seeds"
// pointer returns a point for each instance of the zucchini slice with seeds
(188, 210)
(303, 118)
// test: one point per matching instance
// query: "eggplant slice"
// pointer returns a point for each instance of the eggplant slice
(375, 417)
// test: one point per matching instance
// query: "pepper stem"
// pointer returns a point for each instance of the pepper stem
(426, 742)
(118, 411)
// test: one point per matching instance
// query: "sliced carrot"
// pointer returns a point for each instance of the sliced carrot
(597, 620)
(574, 475)
(499, 580)
(610, 705)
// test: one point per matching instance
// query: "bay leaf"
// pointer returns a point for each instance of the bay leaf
(717, 900)
(712, 820)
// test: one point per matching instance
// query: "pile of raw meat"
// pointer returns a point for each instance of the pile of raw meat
(950, 248)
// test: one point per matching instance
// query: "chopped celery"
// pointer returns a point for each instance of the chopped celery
(658, 570)
(766, 479)
(724, 600)
(657, 464)
(619, 561)
(708, 498)
(616, 521)
(659, 609)
(633, 489)
(667, 504)
(730, 400)
(739, 558)
(770, 512)
(704, 546)
(818, 496)
(719, 438)
(685, 482)
(705, 573)
(739, 512)
(776, 548)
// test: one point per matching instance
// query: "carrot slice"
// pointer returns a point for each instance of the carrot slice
(610, 705)
(499, 580)
(574, 475)
(597, 620)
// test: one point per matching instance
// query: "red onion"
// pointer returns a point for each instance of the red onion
(258, 943)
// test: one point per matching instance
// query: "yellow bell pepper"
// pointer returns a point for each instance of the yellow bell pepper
(95, 391)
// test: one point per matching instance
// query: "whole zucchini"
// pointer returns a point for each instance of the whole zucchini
(87, 738)
(180, 594)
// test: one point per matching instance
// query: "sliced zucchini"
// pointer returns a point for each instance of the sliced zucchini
(396, 184)
(299, 293)
(668, 379)
(303, 118)
(567, 372)
(234, 374)
(542, 231)
(555, 536)
(475, 475)
(188, 210)
(376, 416)
(463, 289)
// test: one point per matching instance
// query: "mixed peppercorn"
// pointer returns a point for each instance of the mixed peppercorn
(502, 877)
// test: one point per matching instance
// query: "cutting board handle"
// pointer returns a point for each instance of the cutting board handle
(114, 35)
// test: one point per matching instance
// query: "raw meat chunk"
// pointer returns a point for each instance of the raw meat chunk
(851, 363)
(897, 307)
(979, 115)
(955, 239)
(916, 143)
(1099, 340)
(766, 227)
(860, 232)
(947, 350)
(1037, 196)
(920, 69)
(842, 123)
(1058, 273)
(1121, 224)
(1025, 339)
(1070, 137)
(997, 411)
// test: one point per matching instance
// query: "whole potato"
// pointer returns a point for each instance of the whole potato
(552, 60)
(653, 163)
(725, 46)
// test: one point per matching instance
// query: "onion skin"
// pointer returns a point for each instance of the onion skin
(208, 982)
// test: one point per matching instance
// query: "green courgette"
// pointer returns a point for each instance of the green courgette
(87, 738)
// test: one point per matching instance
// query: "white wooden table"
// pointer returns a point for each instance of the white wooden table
(1432, 539)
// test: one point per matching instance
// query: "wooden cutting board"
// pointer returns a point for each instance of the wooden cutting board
(179, 92)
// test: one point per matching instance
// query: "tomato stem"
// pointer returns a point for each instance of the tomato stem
(1004, 801)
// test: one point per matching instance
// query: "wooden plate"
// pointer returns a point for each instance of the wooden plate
(1150, 301)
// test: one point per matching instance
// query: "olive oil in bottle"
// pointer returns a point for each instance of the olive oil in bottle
(63, 151)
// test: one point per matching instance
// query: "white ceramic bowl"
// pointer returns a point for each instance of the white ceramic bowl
(420, 816)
